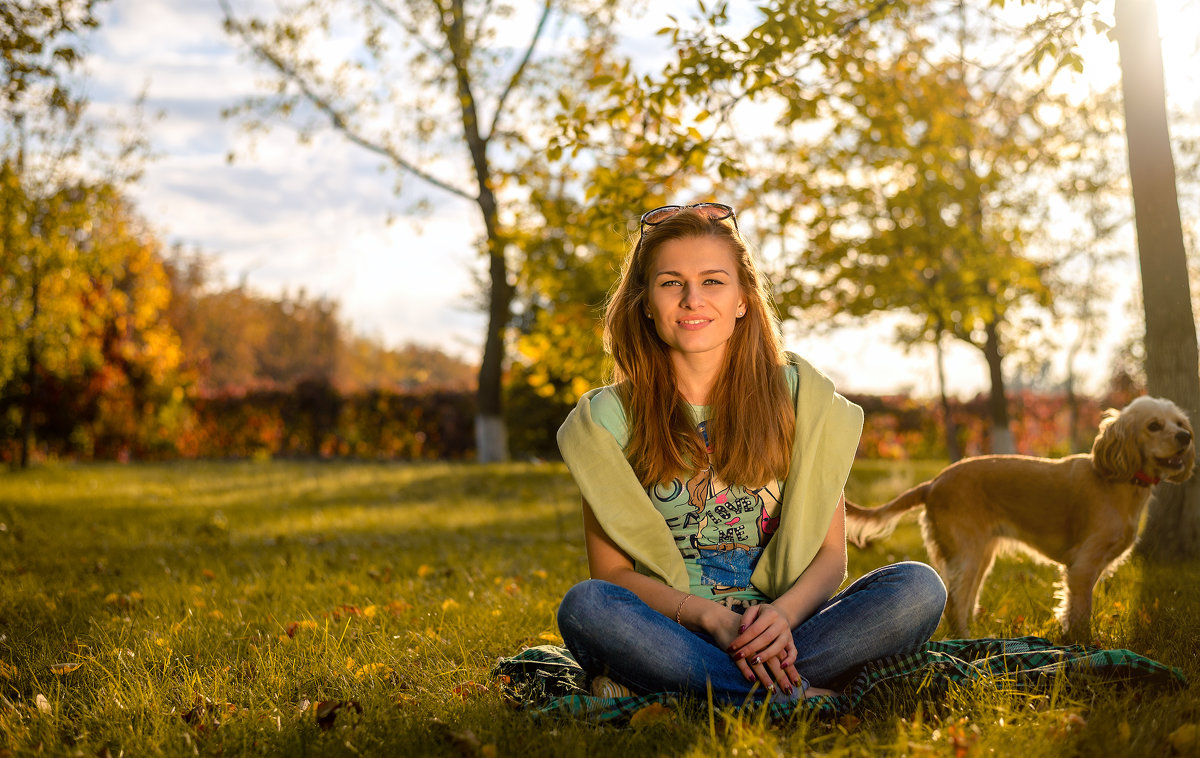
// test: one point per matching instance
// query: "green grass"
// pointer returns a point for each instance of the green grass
(214, 608)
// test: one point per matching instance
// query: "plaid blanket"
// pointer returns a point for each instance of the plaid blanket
(546, 679)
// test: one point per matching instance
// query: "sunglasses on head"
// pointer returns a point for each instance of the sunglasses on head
(710, 211)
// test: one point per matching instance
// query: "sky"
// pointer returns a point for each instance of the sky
(285, 216)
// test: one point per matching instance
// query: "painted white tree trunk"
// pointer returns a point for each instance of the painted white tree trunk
(491, 439)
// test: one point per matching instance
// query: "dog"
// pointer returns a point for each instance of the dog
(1081, 512)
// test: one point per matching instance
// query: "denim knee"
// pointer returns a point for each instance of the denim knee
(580, 604)
(926, 592)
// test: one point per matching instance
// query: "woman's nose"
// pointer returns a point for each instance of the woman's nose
(692, 297)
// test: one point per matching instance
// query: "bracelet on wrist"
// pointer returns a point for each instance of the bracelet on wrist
(679, 609)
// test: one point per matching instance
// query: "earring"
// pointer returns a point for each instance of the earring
(741, 312)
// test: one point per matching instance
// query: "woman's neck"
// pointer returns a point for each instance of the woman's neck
(696, 375)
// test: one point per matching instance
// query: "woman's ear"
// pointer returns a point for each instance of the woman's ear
(1114, 452)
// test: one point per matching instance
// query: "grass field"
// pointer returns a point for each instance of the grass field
(342, 609)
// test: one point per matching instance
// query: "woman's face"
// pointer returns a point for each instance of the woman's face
(694, 296)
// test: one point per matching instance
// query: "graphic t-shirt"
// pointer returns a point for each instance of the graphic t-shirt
(720, 530)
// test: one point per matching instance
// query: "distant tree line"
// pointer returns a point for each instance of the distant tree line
(110, 348)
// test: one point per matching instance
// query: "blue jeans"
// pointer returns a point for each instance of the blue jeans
(610, 631)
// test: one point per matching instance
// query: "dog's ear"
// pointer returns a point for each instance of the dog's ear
(1115, 455)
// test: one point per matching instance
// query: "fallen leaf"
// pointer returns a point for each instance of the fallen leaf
(449, 603)
(551, 637)
(653, 713)
(396, 607)
(849, 722)
(1183, 739)
(64, 668)
(467, 689)
(466, 743)
(424, 570)
(326, 711)
(42, 703)
(7, 671)
(374, 669)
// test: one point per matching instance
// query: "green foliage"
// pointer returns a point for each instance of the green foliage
(223, 608)
(39, 46)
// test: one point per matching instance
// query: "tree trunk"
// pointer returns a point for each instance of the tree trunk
(1172, 365)
(951, 429)
(1002, 439)
(31, 376)
(491, 435)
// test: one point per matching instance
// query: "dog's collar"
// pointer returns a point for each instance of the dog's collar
(1142, 479)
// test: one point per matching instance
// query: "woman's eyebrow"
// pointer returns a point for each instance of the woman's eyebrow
(709, 272)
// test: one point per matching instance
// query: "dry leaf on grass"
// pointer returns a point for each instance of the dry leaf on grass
(326, 711)
(64, 668)
(42, 703)
(849, 722)
(465, 742)
(651, 714)
(469, 689)
(1183, 740)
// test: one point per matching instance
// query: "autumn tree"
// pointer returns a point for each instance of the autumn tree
(98, 366)
(629, 139)
(908, 161)
(437, 94)
(39, 118)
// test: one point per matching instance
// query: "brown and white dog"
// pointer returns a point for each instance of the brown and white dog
(1081, 511)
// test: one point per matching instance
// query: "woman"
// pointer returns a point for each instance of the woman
(712, 475)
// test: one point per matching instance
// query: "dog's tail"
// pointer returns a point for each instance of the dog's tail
(866, 524)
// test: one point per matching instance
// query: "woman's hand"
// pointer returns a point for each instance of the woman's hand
(760, 643)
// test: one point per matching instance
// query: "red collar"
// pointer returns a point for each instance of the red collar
(1142, 479)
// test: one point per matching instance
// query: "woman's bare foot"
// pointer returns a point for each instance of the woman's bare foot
(818, 692)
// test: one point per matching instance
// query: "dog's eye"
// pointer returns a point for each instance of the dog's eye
(1155, 426)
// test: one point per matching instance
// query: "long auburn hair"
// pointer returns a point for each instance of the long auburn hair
(751, 414)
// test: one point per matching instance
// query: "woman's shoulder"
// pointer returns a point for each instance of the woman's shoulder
(609, 412)
(791, 373)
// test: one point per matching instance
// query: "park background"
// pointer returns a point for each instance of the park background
(256, 254)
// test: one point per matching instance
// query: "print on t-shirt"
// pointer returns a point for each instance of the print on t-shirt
(721, 530)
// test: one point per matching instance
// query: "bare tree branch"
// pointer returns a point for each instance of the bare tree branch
(516, 77)
(412, 30)
(336, 118)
